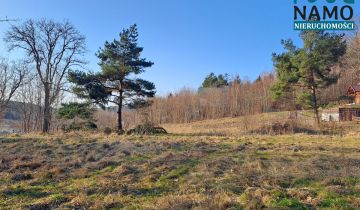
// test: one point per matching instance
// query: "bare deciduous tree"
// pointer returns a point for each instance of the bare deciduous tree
(239, 98)
(351, 59)
(30, 97)
(11, 76)
(54, 48)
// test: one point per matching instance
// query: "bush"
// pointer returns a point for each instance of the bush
(120, 132)
(107, 131)
(282, 128)
(89, 125)
(21, 177)
(83, 126)
(146, 129)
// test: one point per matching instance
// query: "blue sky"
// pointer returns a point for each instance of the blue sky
(186, 39)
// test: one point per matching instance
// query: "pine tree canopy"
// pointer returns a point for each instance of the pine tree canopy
(213, 81)
(71, 110)
(117, 82)
(308, 69)
(120, 62)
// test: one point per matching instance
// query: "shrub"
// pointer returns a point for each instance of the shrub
(121, 132)
(146, 129)
(21, 177)
(107, 131)
(83, 126)
(282, 128)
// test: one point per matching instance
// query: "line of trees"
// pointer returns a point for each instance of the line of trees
(312, 76)
(237, 98)
(55, 51)
(305, 77)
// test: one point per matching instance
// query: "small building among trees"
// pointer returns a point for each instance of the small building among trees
(352, 111)
(354, 90)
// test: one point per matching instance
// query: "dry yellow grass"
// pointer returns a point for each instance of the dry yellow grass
(261, 124)
(234, 126)
(93, 171)
(201, 165)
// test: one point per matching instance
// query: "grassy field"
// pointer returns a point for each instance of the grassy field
(266, 123)
(235, 126)
(179, 172)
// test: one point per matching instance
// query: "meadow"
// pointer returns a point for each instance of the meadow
(179, 171)
(227, 141)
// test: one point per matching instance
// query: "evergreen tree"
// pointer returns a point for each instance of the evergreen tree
(213, 81)
(72, 110)
(307, 70)
(120, 62)
(284, 90)
(258, 79)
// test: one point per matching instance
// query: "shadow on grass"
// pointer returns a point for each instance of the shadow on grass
(25, 192)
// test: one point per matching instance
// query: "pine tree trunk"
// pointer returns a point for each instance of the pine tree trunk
(46, 122)
(313, 92)
(316, 108)
(119, 127)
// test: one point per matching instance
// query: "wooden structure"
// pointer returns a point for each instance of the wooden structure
(354, 90)
(349, 114)
(352, 112)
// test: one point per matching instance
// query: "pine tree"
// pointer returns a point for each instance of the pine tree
(307, 70)
(120, 62)
(73, 109)
(213, 81)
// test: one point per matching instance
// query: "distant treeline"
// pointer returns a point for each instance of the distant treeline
(239, 98)
(323, 73)
(236, 99)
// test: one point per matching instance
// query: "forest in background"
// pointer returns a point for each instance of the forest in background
(238, 98)
(219, 96)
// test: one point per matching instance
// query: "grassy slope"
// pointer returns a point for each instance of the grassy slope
(253, 123)
(180, 172)
(235, 126)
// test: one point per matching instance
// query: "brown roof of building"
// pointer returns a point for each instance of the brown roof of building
(354, 89)
(357, 88)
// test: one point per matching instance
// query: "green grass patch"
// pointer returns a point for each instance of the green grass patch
(224, 146)
(263, 155)
(303, 182)
(58, 198)
(348, 181)
(104, 170)
(291, 203)
(136, 158)
(180, 170)
(338, 203)
(3, 181)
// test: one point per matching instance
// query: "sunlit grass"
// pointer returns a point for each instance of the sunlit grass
(180, 171)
